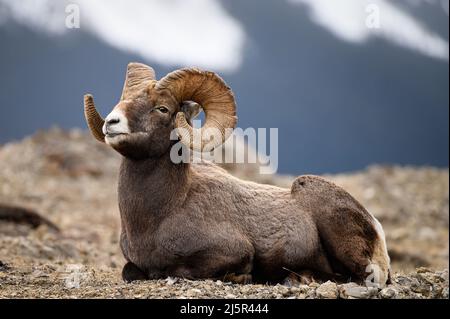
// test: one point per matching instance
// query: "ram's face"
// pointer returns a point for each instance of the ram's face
(141, 126)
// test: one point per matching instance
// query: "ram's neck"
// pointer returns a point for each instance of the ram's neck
(151, 187)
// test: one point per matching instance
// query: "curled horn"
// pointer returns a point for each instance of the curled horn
(138, 78)
(93, 118)
(216, 99)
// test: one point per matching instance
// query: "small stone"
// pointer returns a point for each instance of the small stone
(444, 275)
(230, 296)
(193, 292)
(422, 270)
(388, 293)
(295, 290)
(352, 290)
(245, 289)
(327, 290)
(310, 294)
(406, 282)
(171, 280)
(422, 288)
(3, 266)
(445, 293)
(314, 285)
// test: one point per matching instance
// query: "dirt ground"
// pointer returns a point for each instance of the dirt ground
(71, 180)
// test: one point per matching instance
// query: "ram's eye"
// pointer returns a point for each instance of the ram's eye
(162, 109)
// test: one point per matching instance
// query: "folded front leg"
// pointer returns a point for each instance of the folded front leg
(131, 272)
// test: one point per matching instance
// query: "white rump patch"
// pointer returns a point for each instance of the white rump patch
(381, 235)
(379, 265)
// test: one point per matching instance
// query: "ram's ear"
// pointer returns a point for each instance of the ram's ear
(191, 109)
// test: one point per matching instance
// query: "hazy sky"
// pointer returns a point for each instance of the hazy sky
(203, 33)
(343, 93)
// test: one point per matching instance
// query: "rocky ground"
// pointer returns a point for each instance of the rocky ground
(71, 180)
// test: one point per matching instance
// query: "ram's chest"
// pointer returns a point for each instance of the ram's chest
(137, 230)
(151, 250)
(138, 243)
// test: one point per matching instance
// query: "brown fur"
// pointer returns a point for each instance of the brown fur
(197, 221)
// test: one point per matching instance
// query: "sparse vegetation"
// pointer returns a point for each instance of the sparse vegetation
(71, 180)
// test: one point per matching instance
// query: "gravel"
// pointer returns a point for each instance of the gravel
(60, 280)
(71, 181)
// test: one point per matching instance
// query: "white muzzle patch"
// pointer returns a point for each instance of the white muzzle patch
(116, 126)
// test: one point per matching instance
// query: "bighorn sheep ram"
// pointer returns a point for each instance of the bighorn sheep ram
(194, 220)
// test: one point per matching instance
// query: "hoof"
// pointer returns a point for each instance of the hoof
(302, 278)
(131, 272)
(238, 279)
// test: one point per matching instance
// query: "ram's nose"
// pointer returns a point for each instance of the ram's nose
(115, 123)
(109, 123)
(112, 121)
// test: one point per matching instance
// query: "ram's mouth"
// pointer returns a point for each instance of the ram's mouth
(111, 135)
(115, 138)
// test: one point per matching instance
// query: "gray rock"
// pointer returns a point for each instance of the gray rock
(327, 290)
(445, 293)
(353, 290)
(388, 293)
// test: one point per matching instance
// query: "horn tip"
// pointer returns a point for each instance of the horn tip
(136, 64)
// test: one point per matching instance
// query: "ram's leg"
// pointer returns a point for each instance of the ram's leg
(355, 247)
(234, 269)
(353, 239)
(226, 263)
(131, 272)
(238, 278)
(304, 277)
(315, 268)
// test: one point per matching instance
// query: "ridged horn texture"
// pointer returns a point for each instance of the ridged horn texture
(215, 97)
(138, 78)
(94, 120)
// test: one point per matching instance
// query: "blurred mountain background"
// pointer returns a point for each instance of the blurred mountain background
(343, 95)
